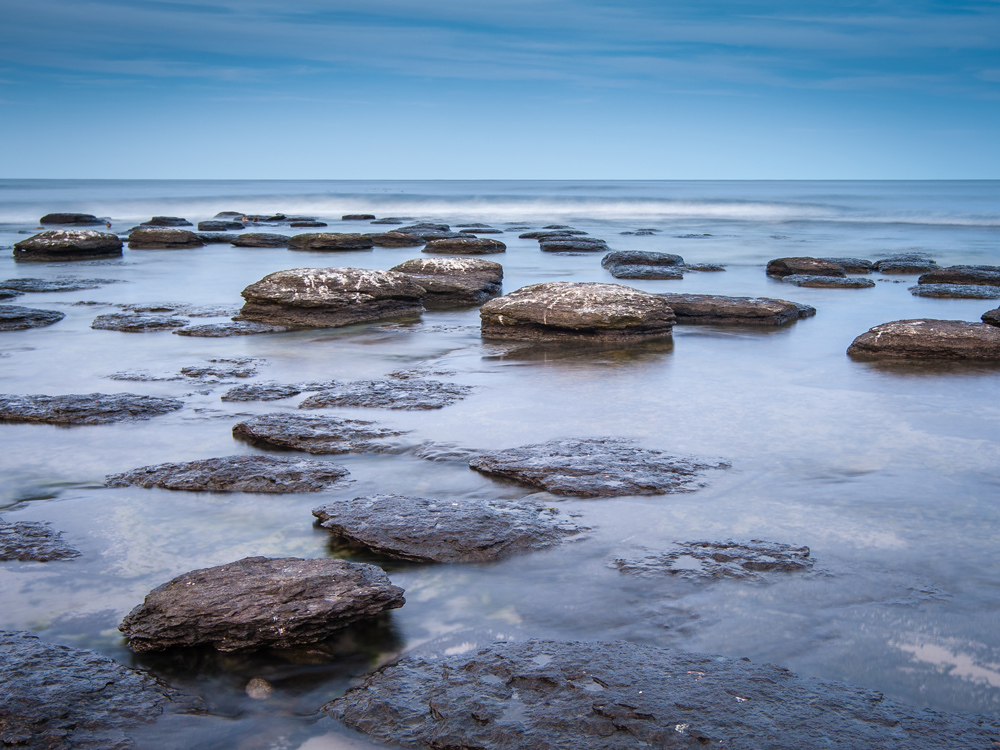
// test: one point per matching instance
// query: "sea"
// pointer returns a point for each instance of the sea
(889, 473)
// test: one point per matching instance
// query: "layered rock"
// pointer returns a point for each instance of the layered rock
(754, 561)
(330, 242)
(805, 266)
(465, 246)
(166, 221)
(70, 219)
(317, 435)
(219, 225)
(392, 393)
(137, 322)
(634, 264)
(32, 541)
(956, 291)
(89, 408)
(566, 244)
(68, 245)
(985, 275)
(454, 282)
(720, 310)
(163, 239)
(395, 239)
(827, 282)
(16, 318)
(261, 239)
(928, 339)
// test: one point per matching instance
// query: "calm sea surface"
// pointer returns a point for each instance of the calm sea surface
(891, 475)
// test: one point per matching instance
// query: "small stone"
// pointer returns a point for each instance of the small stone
(928, 339)
(259, 689)
(89, 408)
(316, 435)
(748, 561)
(15, 318)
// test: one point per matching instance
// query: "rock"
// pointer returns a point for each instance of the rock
(827, 282)
(65, 284)
(169, 221)
(28, 540)
(60, 697)
(551, 234)
(15, 318)
(454, 282)
(986, 275)
(390, 220)
(235, 474)
(330, 241)
(136, 322)
(958, 291)
(618, 695)
(572, 245)
(217, 238)
(220, 368)
(992, 317)
(715, 309)
(305, 224)
(691, 236)
(317, 435)
(930, 339)
(394, 393)
(219, 226)
(568, 310)
(707, 267)
(330, 297)
(901, 263)
(638, 258)
(179, 308)
(485, 230)
(259, 239)
(852, 265)
(163, 239)
(6, 294)
(223, 330)
(641, 233)
(262, 392)
(781, 267)
(646, 272)
(422, 227)
(258, 602)
(415, 528)
(228, 214)
(357, 217)
(68, 245)
(89, 408)
(395, 239)
(473, 225)
(79, 220)
(597, 467)
(717, 560)
(465, 246)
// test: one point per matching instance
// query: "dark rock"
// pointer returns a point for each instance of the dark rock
(54, 697)
(415, 528)
(598, 467)
(641, 233)
(68, 245)
(928, 339)
(79, 220)
(137, 322)
(556, 226)
(235, 474)
(53, 285)
(228, 215)
(484, 230)
(781, 267)
(317, 435)
(222, 368)
(15, 318)
(957, 291)
(572, 245)
(708, 267)
(473, 225)
(262, 392)
(235, 328)
(852, 265)
(567, 310)
(330, 297)
(219, 226)
(306, 224)
(904, 263)
(169, 221)
(259, 239)
(89, 408)
(647, 272)
(163, 239)
(827, 282)
(395, 239)
(390, 220)
(992, 317)
(551, 234)
(258, 602)
(465, 246)
(454, 282)
(217, 238)
(357, 217)
(717, 560)
(986, 275)
(638, 258)
(330, 241)
(424, 227)
(715, 309)
(38, 542)
(691, 236)
(6, 294)
(394, 393)
(618, 695)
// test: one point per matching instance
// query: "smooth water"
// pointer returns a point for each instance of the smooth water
(890, 474)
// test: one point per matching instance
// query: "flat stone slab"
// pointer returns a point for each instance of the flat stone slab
(988, 275)
(17, 318)
(752, 560)
(29, 540)
(704, 267)
(956, 291)
(68, 245)
(568, 310)
(235, 474)
(566, 244)
(647, 272)
(619, 695)
(318, 435)
(137, 322)
(71, 219)
(330, 241)
(904, 263)
(167, 221)
(64, 284)
(395, 239)
(392, 393)
(641, 258)
(852, 265)
(258, 602)
(925, 338)
(596, 467)
(219, 225)
(60, 697)
(264, 391)
(719, 310)
(357, 217)
(802, 265)
(454, 282)
(442, 531)
(234, 328)
(87, 408)
(259, 239)
(828, 282)
(465, 246)
(992, 317)
(154, 238)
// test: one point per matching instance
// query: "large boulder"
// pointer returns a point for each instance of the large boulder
(87, 408)
(465, 246)
(154, 238)
(928, 339)
(395, 239)
(753, 560)
(719, 310)
(781, 267)
(330, 297)
(454, 282)
(70, 219)
(261, 239)
(16, 318)
(67, 245)
(985, 275)
(330, 241)
(259, 602)
(317, 435)
(572, 310)
(166, 221)
(29, 540)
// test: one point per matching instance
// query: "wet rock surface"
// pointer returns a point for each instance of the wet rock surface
(465, 246)
(264, 391)
(88, 408)
(219, 370)
(392, 393)
(357, 217)
(63, 284)
(806, 266)
(905, 263)
(646, 272)
(992, 317)
(260, 239)
(391, 220)
(454, 282)
(224, 330)
(828, 282)
(167, 221)
(68, 245)
(639, 258)
(219, 225)
(595, 467)
(567, 310)
(55, 696)
(745, 560)
(163, 239)
(315, 434)
(928, 339)
(617, 695)
(572, 245)
(716, 309)
(17, 318)
(235, 474)
(217, 238)
(32, 541)
(330, 241)
(395, 239)
(852, 265)
(128, 322)
(424, 530)
(988, 275)
(259, 602)
(545, 234)
(956, 291)
(71, 219)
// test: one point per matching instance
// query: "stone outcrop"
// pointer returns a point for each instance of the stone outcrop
(827, 282)
(163, 239)
(781, 267)
(68, 245)
(330, 242)
(956, 291)
(393, 393)
(454, 282)
(395, 239)
(986, 275)
(166, 221)
(261, 239)
(754, 560)
(32, 541)
(928, 339)
(16, 318)
(87, 408)
(465, 246)
(70, 219)
(317, 435)
(720, 310)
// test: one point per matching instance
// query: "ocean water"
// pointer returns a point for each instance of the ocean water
(890, 474)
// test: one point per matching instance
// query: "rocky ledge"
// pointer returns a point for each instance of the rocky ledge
(153, 238)
(827, 282)
(259, 602)
(330, 241)
(392, 393)
(318, 435)
(749, 561)
(68, 245)
(719, 310)
(16, 318)
(465, 246)
(454, 282)
(928, 339)
(87, 408)
(29, 540)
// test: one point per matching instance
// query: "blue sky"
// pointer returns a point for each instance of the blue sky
(511, 89)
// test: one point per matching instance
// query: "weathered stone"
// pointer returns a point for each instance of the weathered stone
(572, 245)
(394, 393)
(706, 267)
(395, 239)
(317, 435)
(543, 234)
(15, 318)
(482, 230)
(597, 467)
(223, 330)
(992, 317)
(827, 282)
(330, 297)
(567, 310)
(639, 258)
(65, 284)
(6, 294)
(957, 291)
(163, 239)
(79, 220)
(357, 217)
(262, 392)
(415, 528)
(180, 308)
(620, 695)
(259, 602)
(647, 272)
(781, 267)
(306, 224)
(852, 265)
(465, 246)
(928, 339)
(717, 560)
(640, 233)
(217, 238)
(424, 226)
(55, 696)
(28, 540)
(260, 239)
(905, 263)
(390, 220)
(987, 275)
(228, 214)
(137, 322)
(87, 408)
(222, 368)
(68, 245)
(715, 309)
(215, 225)
(166, 221)
(692, 236)
(330, 241)
(454, 282)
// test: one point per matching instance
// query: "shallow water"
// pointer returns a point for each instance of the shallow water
(888, 473)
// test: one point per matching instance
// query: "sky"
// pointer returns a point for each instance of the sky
(509, 89)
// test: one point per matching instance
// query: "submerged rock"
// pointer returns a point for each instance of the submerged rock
(781, 267)
(465, 246)
(87, 408)
(986, 275)
(70, 219)
(259, 602)
(317, 435)
(928, 339)
(902, 263)
(415, 528)
(262, 392)
(454, 282)
(260, 239)
(572, 245)
(29, 540)
(640, 258)
(618, 695)
(716, 309)
(357, 217)
(166, 221)
(852, 265)
(217, 225)
(15, 318)
(957, 291)
(828, 282)
(546, 234)
(330, 241)
(222, 368)
(716, 560)
(395, 239)
(992, 317)
(393, 393)
(137, 322)
(235, 328)
(64, 284)
(163, 239)
(68, 245)
(595, 467)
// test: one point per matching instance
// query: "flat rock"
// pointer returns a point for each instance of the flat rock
(221, 368)
(261, 239)
(330, 241)
(454, 282)
(904, 263)
(306, 224)
(317, 435)
(68, 245)
(852, 265)
(259, 602)
(167, 221)
(70, 219)
(6, 294)
(395, 239)
(87, 408)
(465, 246)
(217, 238)
(568, 310)
(180, 308)
(957, 291)
(547, 234)
(596, 467)
(235, 474)
(749, 561)
(423, 530)
(620, 695)
(992, 317)
(16, 318)
(392, 393)
(781, 267)
(357, 217)
(392, 220)
(827, 282)
(229, 215)
(152, 238)
(988, 275)
(481, 230)
(704, 267)
(137, 322)
(716, 309)
(65, 284)
(235, 328)
(263, 392)
(572, 245)
(424, 229)
(639, 258)
(330, 297)
(928, 339)
(217, 225)
(55, 696)
(28, 540)
(647, 272)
